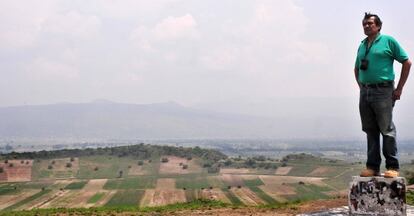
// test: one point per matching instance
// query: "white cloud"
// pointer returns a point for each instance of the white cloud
(43, 69)
(173, 28)
(73, 24)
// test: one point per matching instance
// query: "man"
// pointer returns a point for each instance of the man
(375, 76)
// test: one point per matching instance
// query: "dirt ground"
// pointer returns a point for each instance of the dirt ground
(16, 170)
(173, 166)
(8, 200)
(283, 170)
(136, 170)
(160, 197)
(214, 194)
(232, 180)
(165, 183)
(247, 196)
(234, 171)
(320, 171)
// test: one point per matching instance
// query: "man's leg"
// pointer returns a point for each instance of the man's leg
(370, 127)
(383, 112)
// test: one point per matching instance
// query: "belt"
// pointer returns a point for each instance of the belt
(378, 85)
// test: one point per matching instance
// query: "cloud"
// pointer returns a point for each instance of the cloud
(72, 24)
(43, 69)
(173, 28)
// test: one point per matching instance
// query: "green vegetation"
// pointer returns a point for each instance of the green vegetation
(254, 184)
(233, 198)
(309, 192)
(126, 198)
(76, 185)
(27, 200)
(140, 151)
(95, 198)
(198, 182)
(6, 189)
(142, 182)
(196, 204)
(410, 197)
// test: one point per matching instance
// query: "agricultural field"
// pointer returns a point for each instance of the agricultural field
(103, 180)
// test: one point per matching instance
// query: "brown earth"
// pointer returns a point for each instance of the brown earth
(20, 171)
(8, 200)
(173, 166)
(214, 194)
(320, 171)
(165, 184)
(232, 180)
(162, 197)
(282, 170)
(247, 196)
(136, 170)
(234, 171)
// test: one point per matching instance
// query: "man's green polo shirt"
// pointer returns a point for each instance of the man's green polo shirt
(384, 50)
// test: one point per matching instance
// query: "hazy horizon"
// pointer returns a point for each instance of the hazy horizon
(189, 52)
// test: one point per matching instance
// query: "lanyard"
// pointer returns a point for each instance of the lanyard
(367, 48)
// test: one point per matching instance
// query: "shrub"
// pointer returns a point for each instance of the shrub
(50, 167)
(140, 163)
(1, 170)
(68, 165)
(164, 160)
(185, 166)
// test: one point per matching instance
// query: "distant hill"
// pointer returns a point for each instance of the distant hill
(109, 120)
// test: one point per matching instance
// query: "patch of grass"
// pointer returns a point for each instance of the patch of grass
(308, 192)
(103, 166)
(410, 197)
(233, 198)
(253, 182)
(198, 181)
(95, 198)
(191, 195)
(126, 198)
(6, 189)
(264, 196)
(28, 199)
(35, 185)
(142, 182)
(105, 210)
(76, 185)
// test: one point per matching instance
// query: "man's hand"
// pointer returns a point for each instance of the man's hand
(396, 94)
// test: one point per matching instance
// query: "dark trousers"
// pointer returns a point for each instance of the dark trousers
(375, 107)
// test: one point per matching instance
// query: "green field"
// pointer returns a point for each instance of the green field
(233, 198)
(142, 182)
(126, 198)
(27, 200)
(76, 185)
(308, 192)
(95, 198)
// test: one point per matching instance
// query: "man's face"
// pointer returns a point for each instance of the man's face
(370, 28)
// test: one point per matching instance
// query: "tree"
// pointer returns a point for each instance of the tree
(68, 165)
(50, 167)
(1, 170)
(72, 159)
(140, 163)
(185, 166)
(164, 160)
(96, 169)
(120, 173)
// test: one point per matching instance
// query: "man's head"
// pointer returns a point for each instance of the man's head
(372, 24)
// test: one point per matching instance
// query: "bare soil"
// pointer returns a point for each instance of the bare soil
(162, 197)
(16, 171)
(283, 170)
(173, 166)
(247, 196)
(234, 171)
(320, 171)
(214, 194)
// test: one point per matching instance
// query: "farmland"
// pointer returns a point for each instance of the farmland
(167, 176)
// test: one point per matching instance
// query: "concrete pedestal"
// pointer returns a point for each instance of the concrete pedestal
(377, 196)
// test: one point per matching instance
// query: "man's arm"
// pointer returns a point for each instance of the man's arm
(405, 71)
(356, 72)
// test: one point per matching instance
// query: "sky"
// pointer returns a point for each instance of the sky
(186, 51)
